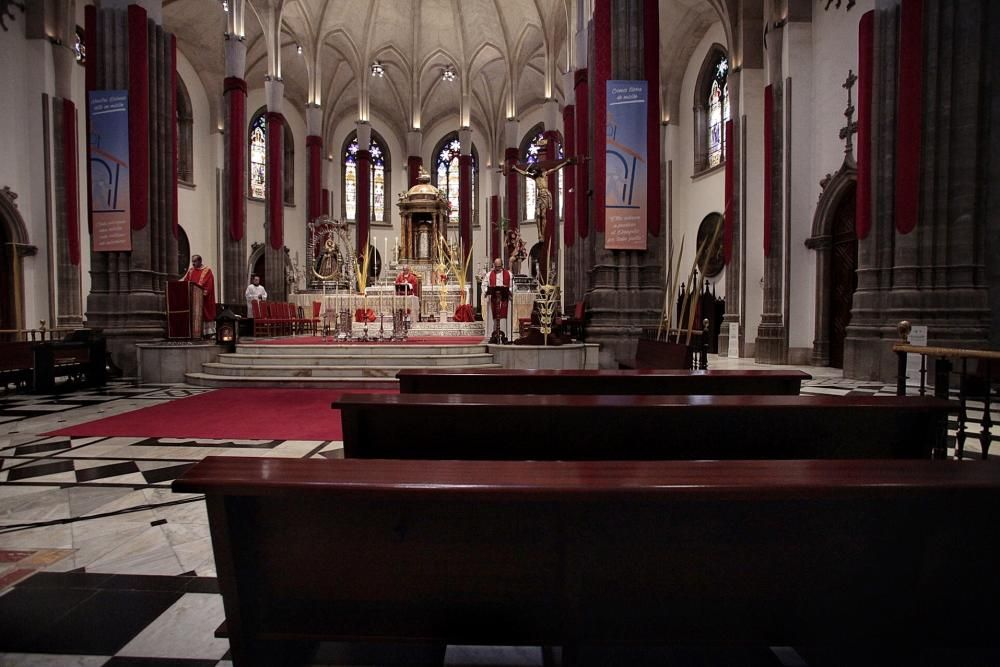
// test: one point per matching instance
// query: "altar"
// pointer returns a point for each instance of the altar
(335, 302)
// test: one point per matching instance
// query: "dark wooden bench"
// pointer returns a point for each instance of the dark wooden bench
(558, 427)
(576, 382)
(39, 363)
(769, 553)
(17, 359)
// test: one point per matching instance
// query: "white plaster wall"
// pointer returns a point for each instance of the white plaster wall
(694, 198)
(196, 206)
(26, 73)
(295, 214)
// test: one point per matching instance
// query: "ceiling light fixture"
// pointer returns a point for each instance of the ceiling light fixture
(225, 5)
(378, 69)
(298, 49)
(449, 73)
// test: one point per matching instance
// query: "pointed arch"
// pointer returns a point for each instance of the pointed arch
(380, 180)
(444, 174)
(711, 109)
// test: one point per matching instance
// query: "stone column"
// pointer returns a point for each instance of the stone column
(932, 268)
(234, 208)
(274, 193)
(364, 188)
(314, 162)
(625, 287)
(511, 203)
(67, 307)
(128, 50)
(465, 189)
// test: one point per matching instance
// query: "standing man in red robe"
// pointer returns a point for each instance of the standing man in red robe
(498, 285)
(202, 277)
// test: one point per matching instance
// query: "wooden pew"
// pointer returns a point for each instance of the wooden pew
(576, 382)
(557, 427)
(768, 553)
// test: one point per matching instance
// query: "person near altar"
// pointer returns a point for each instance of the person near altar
(498, 286)
(202, 276)
(407, 282)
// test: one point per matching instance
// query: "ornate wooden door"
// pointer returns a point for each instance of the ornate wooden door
(843, 275)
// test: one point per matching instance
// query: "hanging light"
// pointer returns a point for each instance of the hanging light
(298, 49)
(378, 69)
(225, 5)
(449, 73)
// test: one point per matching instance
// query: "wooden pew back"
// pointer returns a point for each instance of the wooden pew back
(577, 382)
(557, 427)
(769, 552)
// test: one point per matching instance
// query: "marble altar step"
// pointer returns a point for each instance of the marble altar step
(331, 365)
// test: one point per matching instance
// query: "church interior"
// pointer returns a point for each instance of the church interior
(240, 237)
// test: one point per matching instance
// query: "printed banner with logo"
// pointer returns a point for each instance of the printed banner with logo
(626, 160)
(109, 191)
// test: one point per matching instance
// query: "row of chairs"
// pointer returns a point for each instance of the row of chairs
(276, 318)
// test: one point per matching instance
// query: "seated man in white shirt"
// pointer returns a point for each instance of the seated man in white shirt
(255, 292)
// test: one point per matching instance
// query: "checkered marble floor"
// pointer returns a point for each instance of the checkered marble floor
(101, 564)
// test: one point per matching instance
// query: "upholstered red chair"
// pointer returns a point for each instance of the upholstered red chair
(261, 325)
(574, 324)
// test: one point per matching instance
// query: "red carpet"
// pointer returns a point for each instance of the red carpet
(232, 414)
(424, 340)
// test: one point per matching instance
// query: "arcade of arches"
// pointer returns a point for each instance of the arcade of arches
(853, 178)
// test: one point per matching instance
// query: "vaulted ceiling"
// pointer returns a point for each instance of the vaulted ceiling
(509, 55)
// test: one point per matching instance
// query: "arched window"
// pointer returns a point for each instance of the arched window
(532, 151)
(257, 181)
(711, 110)
(185, 135)
(446, 174)
(380, 177)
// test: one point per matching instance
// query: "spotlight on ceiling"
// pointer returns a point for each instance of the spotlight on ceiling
(449, 74)
(378, 69)
(298, 49)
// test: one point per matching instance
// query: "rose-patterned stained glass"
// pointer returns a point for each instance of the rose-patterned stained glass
(258, 159)
(446, 172)
(378, 155)
(718, 112)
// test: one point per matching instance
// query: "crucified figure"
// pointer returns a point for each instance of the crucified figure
(543, 198)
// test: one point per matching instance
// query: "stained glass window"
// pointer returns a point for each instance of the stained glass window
(379, 157)
(258, 152)
(446, 171)
(718, 112)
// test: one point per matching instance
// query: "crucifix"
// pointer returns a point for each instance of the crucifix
(851, 128)
(539, 172)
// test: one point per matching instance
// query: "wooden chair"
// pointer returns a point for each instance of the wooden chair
(261, 323)
(574, 324)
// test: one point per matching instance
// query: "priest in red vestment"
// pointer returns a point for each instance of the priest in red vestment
(202, 276)
(498, 285)
(407, 282)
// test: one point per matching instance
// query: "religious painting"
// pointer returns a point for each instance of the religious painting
(712, 258)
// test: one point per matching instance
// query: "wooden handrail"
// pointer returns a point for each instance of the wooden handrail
(952, 352)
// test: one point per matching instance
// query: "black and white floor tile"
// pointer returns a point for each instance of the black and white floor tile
(101, 564)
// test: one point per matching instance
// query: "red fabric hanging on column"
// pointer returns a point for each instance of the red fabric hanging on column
(495, 249)
(465, 201)
(863, 213)
(569, 178)
(602, 72)
(275, 178)
(71, 192)
(138, 117)
(768, 162)
(909, 114)
(90, 83)
(413, 164)
(235, 90)
(727, 222)
(364, 201)
(314, 150)
(510, 158)
(651, 65)
(582, 168)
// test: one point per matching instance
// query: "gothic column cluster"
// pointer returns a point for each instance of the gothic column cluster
(234, 210)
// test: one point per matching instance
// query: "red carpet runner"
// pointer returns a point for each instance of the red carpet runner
(231, 414)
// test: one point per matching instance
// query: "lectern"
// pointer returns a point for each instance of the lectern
(185, 309)
(498, 295)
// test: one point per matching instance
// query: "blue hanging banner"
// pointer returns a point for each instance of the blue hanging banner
(626, 165)
(109, 183)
